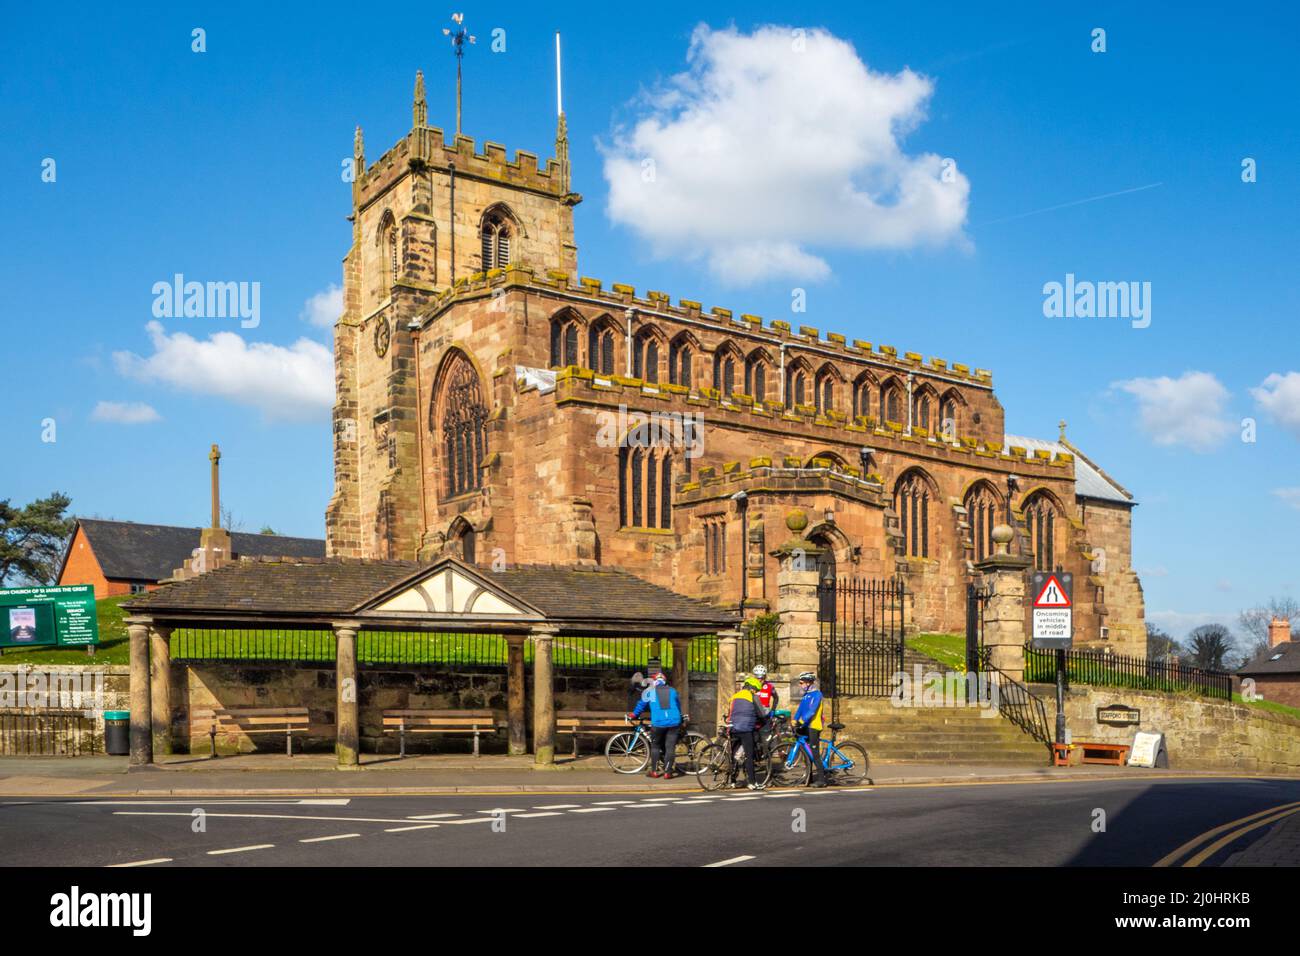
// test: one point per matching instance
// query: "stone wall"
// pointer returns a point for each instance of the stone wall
(1200, 734)
(311, 685)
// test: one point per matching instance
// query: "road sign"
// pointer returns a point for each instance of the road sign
(43, 616)
(1053, 610)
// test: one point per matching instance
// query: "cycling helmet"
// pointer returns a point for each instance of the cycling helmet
(808, 676)
(754, 683)
(760, 672)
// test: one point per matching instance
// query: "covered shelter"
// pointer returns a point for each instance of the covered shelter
(342, 597)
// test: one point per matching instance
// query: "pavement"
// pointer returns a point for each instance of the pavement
(263, 774)
(1083, 820)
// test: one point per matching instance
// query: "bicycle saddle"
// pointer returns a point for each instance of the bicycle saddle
(835, 726)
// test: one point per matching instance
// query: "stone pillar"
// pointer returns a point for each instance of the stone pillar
(141, 717)
(1004, 615)
(543, 696)
(797, 604)
(682, 671)
(160, 683)
(727, 641)
(516, 695)
(347, 743)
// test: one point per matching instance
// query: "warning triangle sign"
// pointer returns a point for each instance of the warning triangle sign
(1052, 594)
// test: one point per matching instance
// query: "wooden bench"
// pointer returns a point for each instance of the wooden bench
(590, 723)
(476, 722)
(1113, 754)
(251, 720)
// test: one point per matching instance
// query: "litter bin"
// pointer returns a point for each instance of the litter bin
(117, 732)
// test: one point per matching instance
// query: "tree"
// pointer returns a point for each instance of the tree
(1209, 645)
(267, 529)
(1254, 622)
(1159, 644)
(32, 539)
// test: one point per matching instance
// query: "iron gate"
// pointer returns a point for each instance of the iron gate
(977, 598)
(861, 645)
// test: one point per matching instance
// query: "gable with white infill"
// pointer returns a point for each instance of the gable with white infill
(450, 590)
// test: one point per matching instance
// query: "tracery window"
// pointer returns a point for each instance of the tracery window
(463, 427)
(645, 476)
(564, 341)
(982, 513)
(912, 503)
(1041, 519)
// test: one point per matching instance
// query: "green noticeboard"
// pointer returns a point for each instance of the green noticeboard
(40, 616)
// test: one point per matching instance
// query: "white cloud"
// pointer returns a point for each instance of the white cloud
(125, 413)
(762, 153)
(1290, 496)
(1279, 396)
(1188, 410)
(324, 308)
(284, 383)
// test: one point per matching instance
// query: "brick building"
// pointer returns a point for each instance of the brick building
(1276, 671)
(493, 404)
(124, 557)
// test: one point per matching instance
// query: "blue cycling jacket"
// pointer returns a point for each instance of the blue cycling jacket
(665, 708)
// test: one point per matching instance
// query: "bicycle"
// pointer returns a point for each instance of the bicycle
(628, 751)
(723, 760)
(847, 763)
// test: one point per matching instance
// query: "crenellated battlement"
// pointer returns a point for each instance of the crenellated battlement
(620, 297)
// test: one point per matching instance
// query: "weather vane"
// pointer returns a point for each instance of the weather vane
(459, 37)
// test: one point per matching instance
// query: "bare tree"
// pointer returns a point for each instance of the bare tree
(1209, 646)
(1160, 645)
(1254, 623)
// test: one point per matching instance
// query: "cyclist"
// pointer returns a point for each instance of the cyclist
(767, 693)
(746, 714)
(665, 725)
(808, 722)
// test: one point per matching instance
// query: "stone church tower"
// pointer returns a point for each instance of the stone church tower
(494, 404)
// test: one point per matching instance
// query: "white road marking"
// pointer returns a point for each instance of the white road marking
(241, 849)
(161, 859)
(214, 802)
(337, 836)
(422, 826)
(529, 816)
(433, 816)
(452, 823)
(612, 803)
(738, 799)
(257, 816)
(734, 859)
(778, 796)
(496, 810)
(660, 799)
(593, 809)
(559, 806)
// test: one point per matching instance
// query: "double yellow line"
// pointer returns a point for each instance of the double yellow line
(1226, 834)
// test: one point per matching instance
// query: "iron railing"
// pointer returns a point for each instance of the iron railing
(49, 733)
(1116, 670)
(431, 647)
(192, 644)
(1019, 704)
(861, 645)
(757, 644)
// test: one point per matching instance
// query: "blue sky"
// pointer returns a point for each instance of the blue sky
(224, 165)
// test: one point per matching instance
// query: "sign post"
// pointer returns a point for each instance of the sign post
(48, 616)
(1054, 628)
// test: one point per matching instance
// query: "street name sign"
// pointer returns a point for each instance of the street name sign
(1053, 610)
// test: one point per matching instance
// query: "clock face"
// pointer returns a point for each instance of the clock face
(382, 335)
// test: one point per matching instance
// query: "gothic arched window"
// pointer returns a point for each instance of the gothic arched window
(724, 371)
(386, 239)
(756, 377)
(862, 395)
(923, 404)
(645, 357)
(796, 387)
(891, 402)
(600, 348)
(564, 341)
(982, 510)
(912, 502)
(1042, 519)
(463, 426)
(679, 362)
(824, 393)
(645, 482)
(494, 236)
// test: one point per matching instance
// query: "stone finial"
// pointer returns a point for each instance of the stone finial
(1002, 536)
(797, 521)
(420, 109)
(1061, 425)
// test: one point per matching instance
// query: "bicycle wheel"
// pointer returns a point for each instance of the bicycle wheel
(762, 769)
(785, 772)
(849, 765)
(714, 769)
(689, 748)
(627, 752)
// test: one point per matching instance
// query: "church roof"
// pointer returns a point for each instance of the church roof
(409, 591)
(1089, 480)
(130, 551)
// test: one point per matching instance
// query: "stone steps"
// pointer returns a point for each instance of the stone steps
(937, 735)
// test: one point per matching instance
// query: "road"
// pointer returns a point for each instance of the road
(1055, 824)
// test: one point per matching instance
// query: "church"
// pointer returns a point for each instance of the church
(495, 404)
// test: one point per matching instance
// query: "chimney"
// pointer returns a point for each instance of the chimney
(1279, 631)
